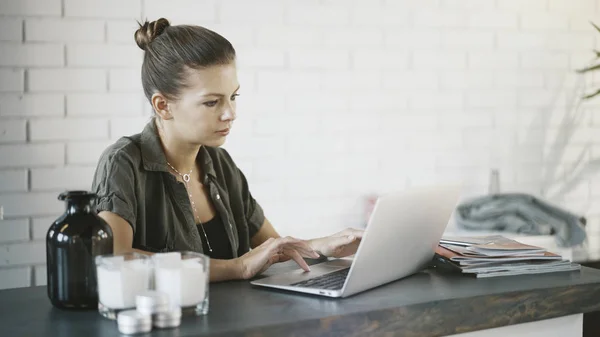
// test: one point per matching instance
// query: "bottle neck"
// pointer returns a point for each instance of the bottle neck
(79, 207)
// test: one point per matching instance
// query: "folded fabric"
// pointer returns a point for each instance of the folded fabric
(521, 213)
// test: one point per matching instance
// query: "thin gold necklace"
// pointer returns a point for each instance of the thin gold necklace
(186, 180)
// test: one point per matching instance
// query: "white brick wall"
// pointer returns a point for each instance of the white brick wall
(59, 179)
(19, 105)
(64, 30)
(529, 6)
(432, 60)
(269, 12)
(85, 152)
(11, 29)
(316, 15)
(544, 22)
(263, 58)
(12, 80)
(470, 40)
(68, 129)
(13, 131)
(29, 204)
(40, 226)
(411, 80)
(319, 59)
(181, 11)
(372, 15)
(40, 276)
(31, 155)
(124, 80)
(13, 180)
(97, 55)
(14, 277)
(378, 95)
(418, 39)
(31, 55)
(520, 79)
(493, 19)
(120, 31)
(66, 80)
(440, 19)
(103, 104)
(31, 7)
(14, 230)
(129, 9)
(493, 60)
(33, 252)
(544, 60)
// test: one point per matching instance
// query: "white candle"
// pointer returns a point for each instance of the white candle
(193, 282)
(110, 286)
(183, 280)
(120, 281)
(168, 280)
(166, 258)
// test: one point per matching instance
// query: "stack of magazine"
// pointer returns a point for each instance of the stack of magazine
(496, 255)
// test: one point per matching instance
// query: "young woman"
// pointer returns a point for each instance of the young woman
(171, 187)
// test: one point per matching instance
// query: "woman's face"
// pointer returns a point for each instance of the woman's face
(205, 109)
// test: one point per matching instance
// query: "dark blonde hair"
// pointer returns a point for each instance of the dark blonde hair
(171, 50)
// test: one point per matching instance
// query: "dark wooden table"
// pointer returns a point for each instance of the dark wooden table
(430, 303)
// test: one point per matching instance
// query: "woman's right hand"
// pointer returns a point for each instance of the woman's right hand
(272, 251)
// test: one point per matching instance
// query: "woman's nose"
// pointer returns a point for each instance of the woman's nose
(228, 114)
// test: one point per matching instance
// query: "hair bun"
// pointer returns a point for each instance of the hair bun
(149, 31)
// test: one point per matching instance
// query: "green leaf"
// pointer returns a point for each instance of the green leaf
(597, 53)
(598, 29)
(584, 70)
(592, 95)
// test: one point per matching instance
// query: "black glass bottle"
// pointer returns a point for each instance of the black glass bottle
(72, 243)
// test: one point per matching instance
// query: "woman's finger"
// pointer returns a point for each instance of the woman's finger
(282, 258)
(266, 266)
(352, 231)
(358, 233)
(305, 250)
(292, 253)
(341, 241)
(298, 244)
(288, 239)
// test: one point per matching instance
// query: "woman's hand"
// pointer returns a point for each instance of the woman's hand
(340, 244)
(272, 251)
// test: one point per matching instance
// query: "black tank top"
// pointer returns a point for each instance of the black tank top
(217, 236)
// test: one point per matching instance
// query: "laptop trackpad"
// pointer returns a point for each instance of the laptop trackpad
(299, 275)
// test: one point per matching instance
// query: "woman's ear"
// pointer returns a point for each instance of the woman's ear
(161, 106)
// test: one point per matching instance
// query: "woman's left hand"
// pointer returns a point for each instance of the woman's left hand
(340, 244)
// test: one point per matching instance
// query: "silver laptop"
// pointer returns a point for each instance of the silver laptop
(400, 239)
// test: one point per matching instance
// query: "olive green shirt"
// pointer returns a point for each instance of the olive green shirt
(133, 180)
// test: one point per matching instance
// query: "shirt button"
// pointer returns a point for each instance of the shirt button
(218, 197)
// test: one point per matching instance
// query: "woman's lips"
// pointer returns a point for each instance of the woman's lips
(223, 132)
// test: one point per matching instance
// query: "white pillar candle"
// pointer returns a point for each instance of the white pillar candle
(110, 287)
(166, 258)
(183, 280)
(168, 280)
(193, 282)
(120, 281)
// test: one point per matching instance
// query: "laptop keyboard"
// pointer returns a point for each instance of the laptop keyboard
(331, 281)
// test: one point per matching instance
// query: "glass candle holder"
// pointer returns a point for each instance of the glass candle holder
(120, 279)
(184, 276)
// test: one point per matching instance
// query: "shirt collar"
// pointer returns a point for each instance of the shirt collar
(153, 156)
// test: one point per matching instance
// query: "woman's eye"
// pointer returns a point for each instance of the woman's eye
(211, 104)
(234, 96)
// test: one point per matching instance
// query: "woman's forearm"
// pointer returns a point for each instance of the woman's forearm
(220, 270)
(224, 270)
(316, 244)
(142, 251)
